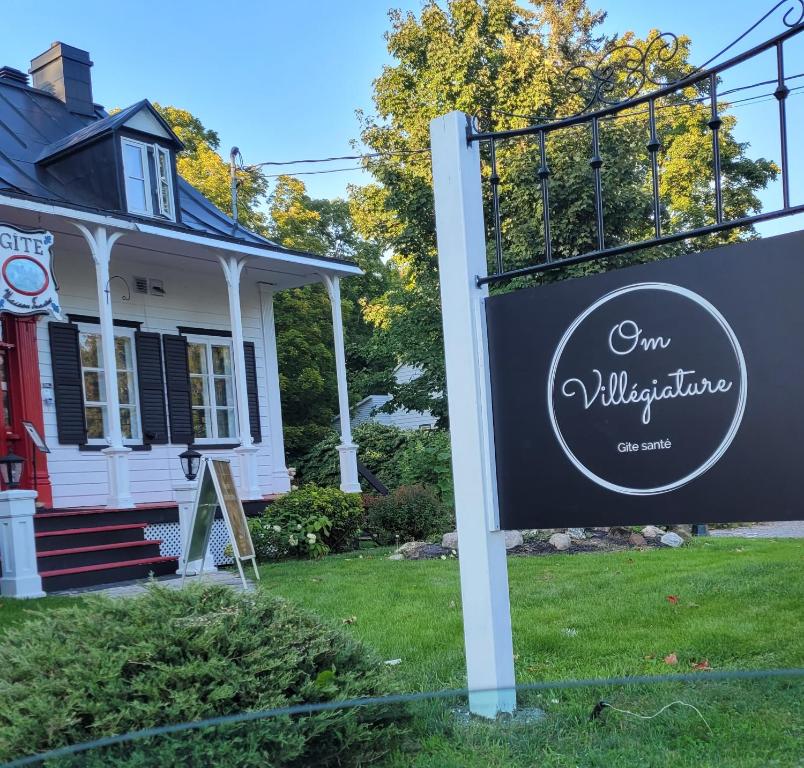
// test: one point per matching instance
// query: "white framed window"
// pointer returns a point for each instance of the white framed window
(212, 389)
(94, 380)
(164, 181)
(137, 177)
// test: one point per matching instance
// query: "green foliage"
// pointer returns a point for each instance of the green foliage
(343, 513)
(427, 460)
(304, 316)
(411, 512)
(500, 59)
(113, 666)
(380, 447)
(282, 534)
(202, 166)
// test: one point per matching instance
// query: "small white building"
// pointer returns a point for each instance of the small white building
(368, 408)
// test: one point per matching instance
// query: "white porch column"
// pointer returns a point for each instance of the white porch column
(100, 243)
(281, 479)
(247, 451)
(18, 546)
(347, 449)
(484, 574)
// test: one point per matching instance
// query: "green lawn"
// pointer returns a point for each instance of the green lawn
(739, 605)
(13, 612)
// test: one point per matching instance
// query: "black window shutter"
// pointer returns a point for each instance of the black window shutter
(177, 376)
(151, 383)
(67, 385)
(251, 389)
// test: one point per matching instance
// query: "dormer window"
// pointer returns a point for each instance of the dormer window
(137, 171)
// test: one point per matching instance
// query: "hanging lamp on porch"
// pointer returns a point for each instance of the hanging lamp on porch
(190, 462)
(11, 470)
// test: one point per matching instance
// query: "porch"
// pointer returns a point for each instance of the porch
(149, 302)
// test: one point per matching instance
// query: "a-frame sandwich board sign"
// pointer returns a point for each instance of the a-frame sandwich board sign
(216, 487)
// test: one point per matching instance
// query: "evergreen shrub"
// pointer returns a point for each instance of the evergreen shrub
(83, 673)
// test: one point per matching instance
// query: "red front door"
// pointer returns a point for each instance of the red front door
(21, 400)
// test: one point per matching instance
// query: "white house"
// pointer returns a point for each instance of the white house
(136, 319)
(367, 409)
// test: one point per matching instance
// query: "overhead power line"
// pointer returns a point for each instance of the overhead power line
(402, 152)
(366, 156)
(314, 173)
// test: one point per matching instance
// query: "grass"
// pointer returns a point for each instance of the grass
(13, 612)
(737, 604)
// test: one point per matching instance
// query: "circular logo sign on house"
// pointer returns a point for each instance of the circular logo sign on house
(25, 275)
(27, 286)
(646, 389)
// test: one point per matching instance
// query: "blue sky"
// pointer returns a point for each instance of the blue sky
(283, 80)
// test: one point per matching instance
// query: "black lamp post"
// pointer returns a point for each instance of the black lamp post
(190, 462)
(11, 470)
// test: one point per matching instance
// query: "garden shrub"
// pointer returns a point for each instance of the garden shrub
(379, 448)
(82, 673)
(427, 460)
(411, 512)
(328, 514)
(287, 534)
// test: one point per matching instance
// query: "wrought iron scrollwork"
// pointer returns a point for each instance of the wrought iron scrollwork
(790, 14)
(622, 72)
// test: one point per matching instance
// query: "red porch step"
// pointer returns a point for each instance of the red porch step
(107, 573)
(94, 517)
(86, 537)
(96, 554)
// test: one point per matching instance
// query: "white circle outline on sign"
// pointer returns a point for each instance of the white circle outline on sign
(738, 414)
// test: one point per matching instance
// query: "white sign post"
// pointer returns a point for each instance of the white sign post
(483, 567)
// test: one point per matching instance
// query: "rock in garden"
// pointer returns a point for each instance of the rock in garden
(652, 532)
(560, 541)
(684, 531)
(512, 539)
(576, 533)
(422, 550)
(396, 556)
(637, 540)
(671, 539)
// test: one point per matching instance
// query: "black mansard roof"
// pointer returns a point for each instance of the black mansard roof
(36, 126)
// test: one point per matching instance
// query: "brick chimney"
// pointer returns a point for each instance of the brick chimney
(64, 72)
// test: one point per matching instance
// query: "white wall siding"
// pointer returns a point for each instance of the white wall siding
(195, 296)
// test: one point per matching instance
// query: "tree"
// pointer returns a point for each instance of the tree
(303, 315)
(304, 319)
(202, 166)
(507, 63)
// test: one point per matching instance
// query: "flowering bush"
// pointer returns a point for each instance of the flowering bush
(284, 534)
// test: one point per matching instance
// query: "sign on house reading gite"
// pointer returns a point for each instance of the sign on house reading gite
(27, 285)
(667, 392)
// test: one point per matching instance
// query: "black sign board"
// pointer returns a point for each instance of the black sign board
(667, 392)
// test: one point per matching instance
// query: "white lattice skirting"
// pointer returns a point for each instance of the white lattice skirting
(170, 536)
